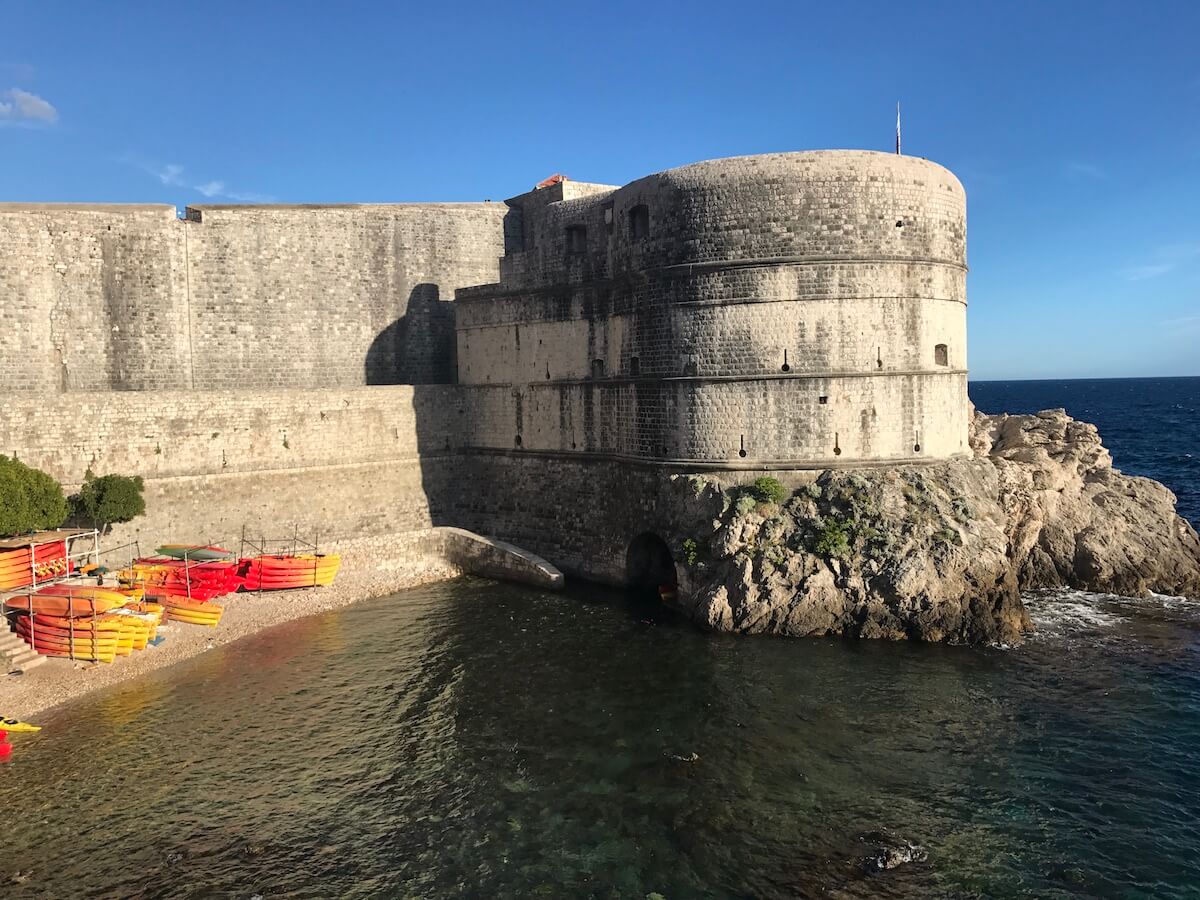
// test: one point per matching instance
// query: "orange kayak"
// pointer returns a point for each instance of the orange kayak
(54, 605)
(79, 625)
(43, 635)
(66, 589)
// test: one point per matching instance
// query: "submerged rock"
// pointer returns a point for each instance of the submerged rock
(938, 552)
(890, 852)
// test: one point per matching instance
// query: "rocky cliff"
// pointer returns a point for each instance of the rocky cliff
(939, 552)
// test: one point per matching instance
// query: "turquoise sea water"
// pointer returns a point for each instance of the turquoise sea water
(472, 739)
(481, 740)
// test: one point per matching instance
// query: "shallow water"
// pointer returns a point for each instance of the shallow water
(480, 740)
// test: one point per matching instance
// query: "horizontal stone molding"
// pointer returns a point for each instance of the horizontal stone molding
(715, 379)
(699, 466)
(705, 304)
(486, 292)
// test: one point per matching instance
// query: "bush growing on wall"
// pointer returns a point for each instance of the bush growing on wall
(768, 490)
(109, 499)
(29, 498)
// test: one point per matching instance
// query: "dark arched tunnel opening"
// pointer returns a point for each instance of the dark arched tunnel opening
(649, 567)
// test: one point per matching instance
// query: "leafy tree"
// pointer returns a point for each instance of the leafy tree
(108, 499)
(30, 499)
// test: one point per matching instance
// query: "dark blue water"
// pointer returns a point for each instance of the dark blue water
(471, 739)
(1151, 426)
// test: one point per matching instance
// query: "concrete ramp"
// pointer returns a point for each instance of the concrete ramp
(479, 555)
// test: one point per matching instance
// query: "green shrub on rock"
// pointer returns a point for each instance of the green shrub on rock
(833, 539)
(768, 490)
(108, 499)
(745, 505)
(30, 499)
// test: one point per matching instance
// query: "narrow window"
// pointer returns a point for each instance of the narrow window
(639, 222)
(941, 355)
(608, 218)
(823, 399)
(635, 366)
(597, 368)
(576, 239)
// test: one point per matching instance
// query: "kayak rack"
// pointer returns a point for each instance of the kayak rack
(292, 546)
(69, 537)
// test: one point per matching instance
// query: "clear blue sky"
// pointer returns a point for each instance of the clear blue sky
(1074, 126)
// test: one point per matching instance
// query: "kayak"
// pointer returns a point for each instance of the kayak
(15, 727)
(190, 618)
(57, 640)
(85, 591)
(193, 612)
(192, 551)
(52, 605)
(77, 655)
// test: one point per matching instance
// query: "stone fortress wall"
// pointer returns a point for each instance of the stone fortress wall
(118, 297)
(770, 313)
(789, 311)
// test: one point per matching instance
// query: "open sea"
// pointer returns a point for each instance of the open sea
(473, 739)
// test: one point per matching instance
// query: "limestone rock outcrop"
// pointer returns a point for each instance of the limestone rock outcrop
(937, 552)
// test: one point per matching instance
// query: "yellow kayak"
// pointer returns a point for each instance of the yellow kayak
(15, 727)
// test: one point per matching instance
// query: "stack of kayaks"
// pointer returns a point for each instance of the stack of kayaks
(84, 622)
(164, 577)
(192, 611)
(276, 573)
(184, 589)
(18, 565)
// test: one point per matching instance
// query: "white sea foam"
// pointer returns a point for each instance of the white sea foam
(1058, 613)
(1068, 612)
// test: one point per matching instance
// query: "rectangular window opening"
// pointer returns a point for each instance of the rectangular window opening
(576, 239)
(639, 222)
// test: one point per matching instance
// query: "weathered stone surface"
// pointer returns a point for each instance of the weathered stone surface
(940, 552)
(1074, 520)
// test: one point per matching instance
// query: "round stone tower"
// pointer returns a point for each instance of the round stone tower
(789, 310)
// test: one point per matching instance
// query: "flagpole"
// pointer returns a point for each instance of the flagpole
(897, 128)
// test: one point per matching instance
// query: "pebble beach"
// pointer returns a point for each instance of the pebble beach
(371, 567)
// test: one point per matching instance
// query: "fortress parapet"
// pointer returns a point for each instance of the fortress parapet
(789, 310)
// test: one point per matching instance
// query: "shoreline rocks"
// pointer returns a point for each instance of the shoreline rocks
(938, 552)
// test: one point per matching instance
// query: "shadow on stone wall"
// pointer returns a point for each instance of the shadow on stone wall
(419, 347)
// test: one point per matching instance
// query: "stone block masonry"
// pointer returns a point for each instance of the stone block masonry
(794, 310)
(341, 463)
(130, 298)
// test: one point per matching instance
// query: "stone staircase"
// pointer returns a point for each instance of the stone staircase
(15, 654)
